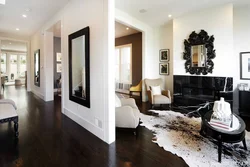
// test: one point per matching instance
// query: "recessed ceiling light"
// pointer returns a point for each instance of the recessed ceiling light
(17, 29)
(169, 15)
(24, 15)
(10, 43)
(28, 10)
(127, 28)
(2, 2)
(143, 11)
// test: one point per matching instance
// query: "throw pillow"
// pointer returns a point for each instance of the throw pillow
(156, 90)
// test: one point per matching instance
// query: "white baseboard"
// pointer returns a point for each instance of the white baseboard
(85, 124)
(38, 94)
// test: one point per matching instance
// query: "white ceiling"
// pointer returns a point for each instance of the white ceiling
(40, 11)
(13, 46)
(121, 30)
(158, 10)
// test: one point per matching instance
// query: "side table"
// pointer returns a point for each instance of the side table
(220, 135)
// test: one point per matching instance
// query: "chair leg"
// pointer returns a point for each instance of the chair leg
(16, 129)
(152, 106)
(136, 132)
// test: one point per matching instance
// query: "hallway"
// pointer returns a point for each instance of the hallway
(47, 138)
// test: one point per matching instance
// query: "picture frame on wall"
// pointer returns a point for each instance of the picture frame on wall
(164, 55)
(58, 57)
(245, 65)
(164, 68)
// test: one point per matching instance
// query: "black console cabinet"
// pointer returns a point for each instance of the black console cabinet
(244, 103)
(196, 90)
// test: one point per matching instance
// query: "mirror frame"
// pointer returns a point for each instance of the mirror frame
(85, 32)
(37, 52)
(199, 39)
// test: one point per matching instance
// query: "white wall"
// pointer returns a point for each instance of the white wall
(241, 40)
(164, 40)
(37, 43)
(99, 16)
(217, 21)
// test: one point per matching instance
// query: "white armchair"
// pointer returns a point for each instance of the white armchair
(161, 97)
(126, 113)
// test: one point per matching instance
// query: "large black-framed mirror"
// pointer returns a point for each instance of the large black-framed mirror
(37, 76)
(199, 52)
(79, 74)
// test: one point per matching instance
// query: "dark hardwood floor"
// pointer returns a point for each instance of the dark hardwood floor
(47, 138)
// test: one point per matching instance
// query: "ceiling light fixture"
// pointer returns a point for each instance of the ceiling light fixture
(10, 43)
(17, 29)
(28, 10)
(24, 15)
(169, 15)
(127, 28)
(2, 2)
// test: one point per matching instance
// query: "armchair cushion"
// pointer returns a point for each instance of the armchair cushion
(117, 101)
(161, 99)
(127, 115)
(129, 102)
(156, 90)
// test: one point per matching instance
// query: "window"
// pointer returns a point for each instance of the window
(123, 64)
(22, 65)
(3, 63)
(13, 67)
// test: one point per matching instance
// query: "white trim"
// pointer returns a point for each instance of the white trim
(84, 123)
(38, 94)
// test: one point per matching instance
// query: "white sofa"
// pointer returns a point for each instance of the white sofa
(127, 114)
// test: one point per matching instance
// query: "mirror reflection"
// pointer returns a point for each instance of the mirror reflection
(78, 70)
(37, 68)
(198, 55)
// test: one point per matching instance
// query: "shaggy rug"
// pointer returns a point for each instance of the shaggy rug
(180, 135)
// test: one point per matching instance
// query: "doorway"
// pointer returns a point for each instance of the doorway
(128, 60)
(57, 60)
(14, 58)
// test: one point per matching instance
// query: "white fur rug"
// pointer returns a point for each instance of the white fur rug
(180, 135)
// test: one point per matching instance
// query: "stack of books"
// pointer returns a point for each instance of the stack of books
(220, 124)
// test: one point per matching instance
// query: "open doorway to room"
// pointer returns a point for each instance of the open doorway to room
(57, 60)
(13, 64)
(128, 61)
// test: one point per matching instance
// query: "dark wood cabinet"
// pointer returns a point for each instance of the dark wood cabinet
(244, 103)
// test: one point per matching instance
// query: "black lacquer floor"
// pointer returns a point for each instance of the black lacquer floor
(47, 138)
